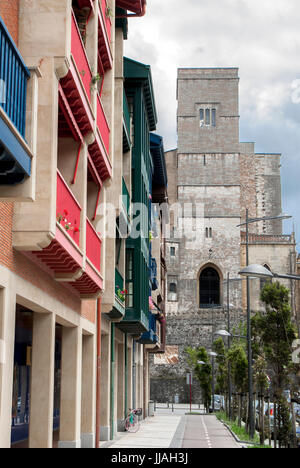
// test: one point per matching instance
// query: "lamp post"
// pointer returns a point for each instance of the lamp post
(213, 355)
(249, 346)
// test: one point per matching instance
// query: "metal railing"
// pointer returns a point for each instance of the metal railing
(13, 80)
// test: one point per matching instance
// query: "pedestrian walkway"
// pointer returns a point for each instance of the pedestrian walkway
(155, 432)
(176, 430)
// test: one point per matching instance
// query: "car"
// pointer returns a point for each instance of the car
(219, 403)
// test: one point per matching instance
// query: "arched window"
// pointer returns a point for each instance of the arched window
(209, 288)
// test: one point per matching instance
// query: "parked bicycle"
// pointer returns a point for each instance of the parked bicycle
(132, 423)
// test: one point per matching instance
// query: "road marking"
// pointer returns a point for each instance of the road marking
(206, 434)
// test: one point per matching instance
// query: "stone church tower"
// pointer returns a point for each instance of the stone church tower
(213, 179)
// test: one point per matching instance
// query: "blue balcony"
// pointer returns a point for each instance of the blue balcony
(150, 337)
(15, 162)
(153, 274)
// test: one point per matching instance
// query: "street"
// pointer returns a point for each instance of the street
(169, 429)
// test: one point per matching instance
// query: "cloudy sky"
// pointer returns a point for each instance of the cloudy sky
(262, 39)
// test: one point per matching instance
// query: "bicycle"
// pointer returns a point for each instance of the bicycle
(132, 423)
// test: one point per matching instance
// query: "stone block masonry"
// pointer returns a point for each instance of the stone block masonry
(214, 178)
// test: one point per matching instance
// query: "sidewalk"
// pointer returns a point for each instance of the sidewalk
(169, 429)
(161, 431)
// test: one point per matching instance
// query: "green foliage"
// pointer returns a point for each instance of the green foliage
(239, 366)
(276, 331)
(274, 334)
(203, 372)
(284, 423)
(260, 374)
(222, 369)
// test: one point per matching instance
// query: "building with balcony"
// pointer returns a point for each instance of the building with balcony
(125, 303)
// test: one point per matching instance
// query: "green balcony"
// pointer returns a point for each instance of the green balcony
(126, 198)
(118, 310)
(126, 125)
(135, 322)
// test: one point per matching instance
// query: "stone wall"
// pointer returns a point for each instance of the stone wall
(195, 331)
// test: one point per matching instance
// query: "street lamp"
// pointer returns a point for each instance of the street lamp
(261, 272)
(250, 370)
(229, 335)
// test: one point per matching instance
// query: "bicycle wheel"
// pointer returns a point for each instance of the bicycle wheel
(132, 423)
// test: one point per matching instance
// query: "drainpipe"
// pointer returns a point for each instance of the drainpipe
(112, 381)
(98, 376)
(145, 380)
(126, 377)
(133, 374)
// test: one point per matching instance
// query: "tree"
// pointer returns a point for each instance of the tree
(222, 374)
(277, 333)
(239, 370)
(203, 372)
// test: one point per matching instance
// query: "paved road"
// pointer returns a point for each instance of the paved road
(207, 432)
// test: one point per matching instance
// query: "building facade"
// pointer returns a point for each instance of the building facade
(65, 156)
(213, 180)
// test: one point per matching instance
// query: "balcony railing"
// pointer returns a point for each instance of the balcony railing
(102, 124)
(68, 210)
(13, 80)
(119, 282)
(125, 197)
(93, 245)
(80, 57)
(106, 17)
(126, 124)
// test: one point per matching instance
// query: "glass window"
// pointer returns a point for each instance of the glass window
(201, 117)
(129, 279)
(213, 117)
(172, 251)
(173, 288)
(207, 116)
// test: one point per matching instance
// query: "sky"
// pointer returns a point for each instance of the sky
(262, 39)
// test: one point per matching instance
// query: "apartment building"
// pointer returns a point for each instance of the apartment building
(64, 141)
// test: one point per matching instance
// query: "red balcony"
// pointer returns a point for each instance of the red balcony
(63, 256)
(68, 210)
(102, 124)
(135, 6)
(93, 245)
(106, 17)
(80, 57)
(104, 36)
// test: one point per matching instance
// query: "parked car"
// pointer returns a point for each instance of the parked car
(219, 403)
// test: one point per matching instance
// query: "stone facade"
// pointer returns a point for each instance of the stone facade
(213, 179)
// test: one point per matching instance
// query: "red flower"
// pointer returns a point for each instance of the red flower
(76, 229)
(66, 212)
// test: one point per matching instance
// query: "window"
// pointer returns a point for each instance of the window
(129, 278)
(172, 251)
(173, 288)
(209, 288)
(213, 117)
(208, 233)
(208, 117)
(201, 117)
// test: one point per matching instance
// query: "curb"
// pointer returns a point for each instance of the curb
(236, 437)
